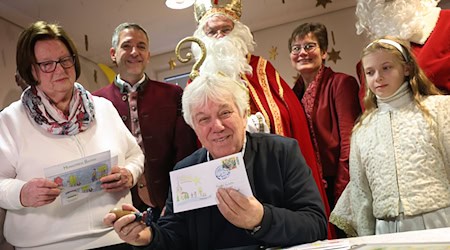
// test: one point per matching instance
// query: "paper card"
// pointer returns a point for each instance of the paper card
(80, 178)
(196, 186)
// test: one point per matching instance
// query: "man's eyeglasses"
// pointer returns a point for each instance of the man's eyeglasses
(309, 47)
(50, 66)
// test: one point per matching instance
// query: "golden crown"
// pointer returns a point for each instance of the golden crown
(205, 8)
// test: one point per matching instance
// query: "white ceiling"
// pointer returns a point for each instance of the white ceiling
(98, 18)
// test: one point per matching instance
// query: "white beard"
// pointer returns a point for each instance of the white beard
(226, 55)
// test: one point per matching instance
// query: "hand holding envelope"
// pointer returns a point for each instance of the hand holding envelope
(239, 210)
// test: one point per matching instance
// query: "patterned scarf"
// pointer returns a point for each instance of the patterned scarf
(46, 115)
(309, 101)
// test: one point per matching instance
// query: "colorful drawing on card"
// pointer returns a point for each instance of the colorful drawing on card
(196, 186)
(78, 178)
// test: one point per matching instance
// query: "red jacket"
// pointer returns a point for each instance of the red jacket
(336, 108)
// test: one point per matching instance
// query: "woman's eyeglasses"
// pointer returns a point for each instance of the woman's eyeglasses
(50, 66)
(309, 47)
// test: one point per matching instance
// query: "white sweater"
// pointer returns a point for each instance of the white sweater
(26, 150)
(397, 157)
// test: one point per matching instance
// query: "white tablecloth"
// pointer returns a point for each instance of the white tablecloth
(440, 235)
(431, 235)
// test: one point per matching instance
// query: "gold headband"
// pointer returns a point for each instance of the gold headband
(207, 8)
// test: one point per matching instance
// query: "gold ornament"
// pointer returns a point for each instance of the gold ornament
(323, 3)
(205, 8)
(333, 55)
(189, 56)
(172, 64)
(273, 53)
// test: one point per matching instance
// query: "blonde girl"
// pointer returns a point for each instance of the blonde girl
(399, 151)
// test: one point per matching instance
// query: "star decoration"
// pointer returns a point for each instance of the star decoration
(333, 55)
(86, 42)
(172, 64)
(273, 53)
(323, 3)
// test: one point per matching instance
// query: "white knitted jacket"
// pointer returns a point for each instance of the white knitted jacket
(398, 155)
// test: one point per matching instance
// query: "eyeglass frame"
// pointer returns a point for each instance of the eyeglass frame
(309, 47)
(55, 63)
(225, 29)
(217, 32)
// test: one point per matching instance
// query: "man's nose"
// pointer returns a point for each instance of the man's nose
(220, 34)
(218, 125)
(134, 50)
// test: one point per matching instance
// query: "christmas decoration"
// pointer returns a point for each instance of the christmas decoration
(333, 55)
(86, 42)
(323, 3)
(172, 64)
(273, 53)
(109, 73)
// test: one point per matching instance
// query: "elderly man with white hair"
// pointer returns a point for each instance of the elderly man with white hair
(274, 107)
(285, 208)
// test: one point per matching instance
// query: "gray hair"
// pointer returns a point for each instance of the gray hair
(216, 88)
(122, 26)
